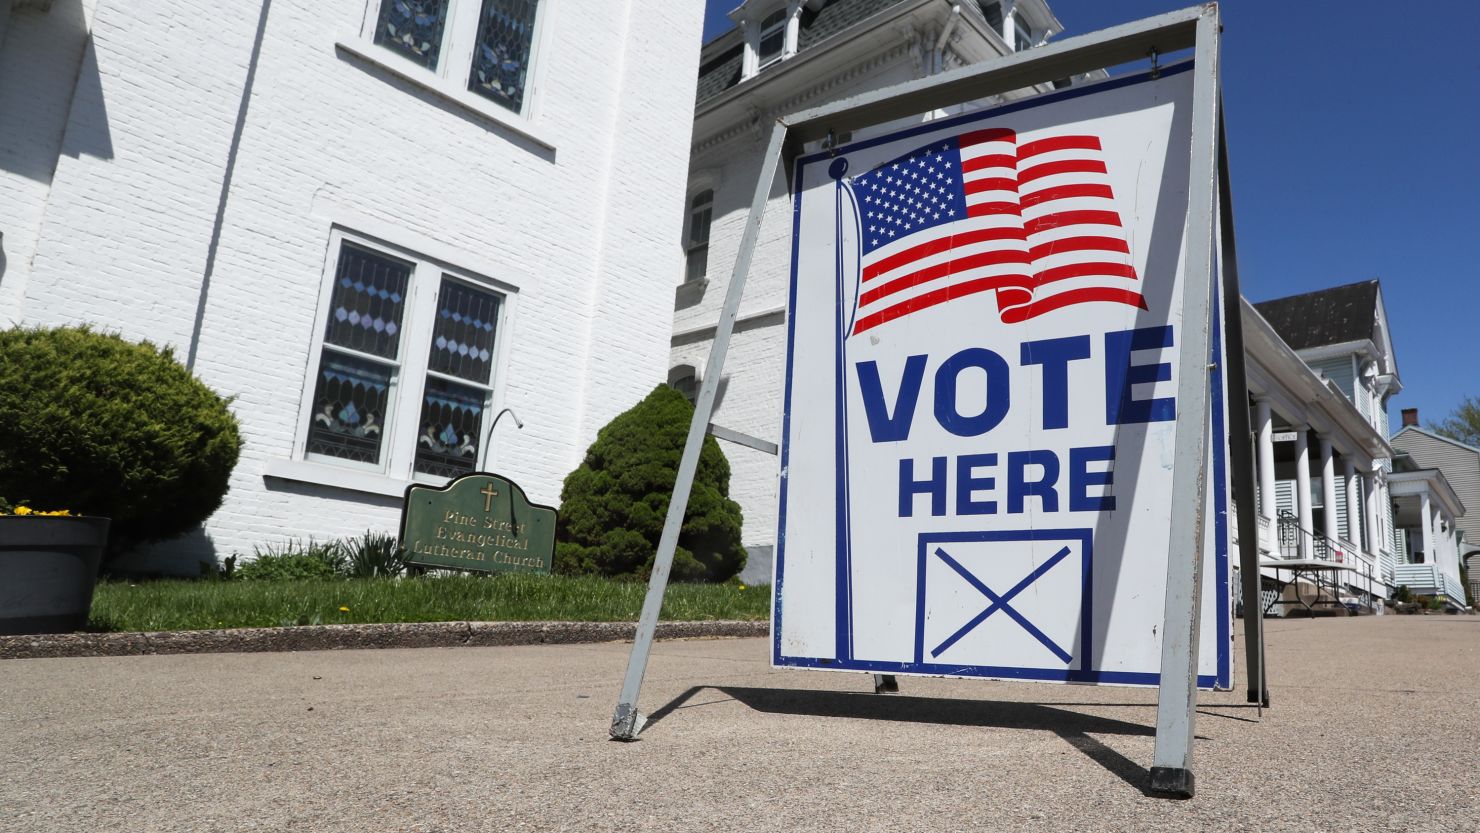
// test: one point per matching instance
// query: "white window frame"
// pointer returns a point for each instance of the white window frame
(783, 16)
(404, 400)
(689, 244)
(454, 64)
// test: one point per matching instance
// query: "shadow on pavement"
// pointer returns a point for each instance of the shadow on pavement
(1075, 728)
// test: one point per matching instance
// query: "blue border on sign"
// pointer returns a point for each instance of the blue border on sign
(1220, 482)
(1223, 677)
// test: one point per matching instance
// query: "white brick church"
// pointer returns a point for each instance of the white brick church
(377, 224)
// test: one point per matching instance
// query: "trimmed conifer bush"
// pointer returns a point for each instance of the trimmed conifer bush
(613, 506)
(98, 425)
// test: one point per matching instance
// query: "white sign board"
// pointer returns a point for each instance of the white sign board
(976, 468)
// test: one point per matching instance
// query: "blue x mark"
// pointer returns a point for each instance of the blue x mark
(1001, 603)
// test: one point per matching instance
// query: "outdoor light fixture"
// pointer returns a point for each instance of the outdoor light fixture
(488, 439)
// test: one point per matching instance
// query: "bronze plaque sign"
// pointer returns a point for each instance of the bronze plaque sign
(477, 522)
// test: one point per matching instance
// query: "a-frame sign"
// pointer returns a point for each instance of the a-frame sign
(1028, 319)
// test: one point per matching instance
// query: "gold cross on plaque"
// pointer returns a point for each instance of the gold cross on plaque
(488, 493)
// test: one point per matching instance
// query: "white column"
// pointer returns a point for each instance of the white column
(750, 59)
(1353, 503)
(1009, 8)
(793, 28)
(1374, 536)
(1450, 556)
(1264, 421)
(1426, 527)
(1302, 487)
(1328, 489)
(1446, 541)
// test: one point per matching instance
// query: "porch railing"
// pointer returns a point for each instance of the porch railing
(1295, 541)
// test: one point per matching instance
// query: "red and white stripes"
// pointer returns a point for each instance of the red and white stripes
(1076, 241)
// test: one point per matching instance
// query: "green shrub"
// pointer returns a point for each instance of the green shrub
(372, 555)
(102, 426)
(613, 506)
(294, 562)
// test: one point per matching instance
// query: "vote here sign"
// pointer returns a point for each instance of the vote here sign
(981, 405)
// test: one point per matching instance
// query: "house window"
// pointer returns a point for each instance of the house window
(1022, 35)
(701, 212)
(413, 29)
(484, 46)
(406, 368)
(501, 51)
(773, 37)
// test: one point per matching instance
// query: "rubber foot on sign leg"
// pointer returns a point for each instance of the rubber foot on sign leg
(1253, 696)
(1173, 781)
(626, 724)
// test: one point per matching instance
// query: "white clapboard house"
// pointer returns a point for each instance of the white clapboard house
(1321, 372)
(376, 224)
(1429, 555)
(1319, 397)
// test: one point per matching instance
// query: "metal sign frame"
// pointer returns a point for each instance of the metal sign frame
(1196, 28)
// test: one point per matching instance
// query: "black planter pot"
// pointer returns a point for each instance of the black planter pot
(48, 566)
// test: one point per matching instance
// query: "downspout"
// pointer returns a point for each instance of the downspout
(938, 55)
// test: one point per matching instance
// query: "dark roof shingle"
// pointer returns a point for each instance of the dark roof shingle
(1327, 316)
(720, 74)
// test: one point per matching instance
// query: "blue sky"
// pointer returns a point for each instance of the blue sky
(1354, 142)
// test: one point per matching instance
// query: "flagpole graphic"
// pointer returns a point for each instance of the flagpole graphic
(846, 312)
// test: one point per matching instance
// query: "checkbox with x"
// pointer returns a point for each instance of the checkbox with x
(1013, 599)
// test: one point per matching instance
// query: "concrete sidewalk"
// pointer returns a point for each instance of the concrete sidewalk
(1375, 726)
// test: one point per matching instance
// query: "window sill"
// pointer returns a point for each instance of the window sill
(322, 474)
(372, 54)
(689, 293)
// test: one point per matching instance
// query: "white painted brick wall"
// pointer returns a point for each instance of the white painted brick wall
(585, 231)
(40, 57)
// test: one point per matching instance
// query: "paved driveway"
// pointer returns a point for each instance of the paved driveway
(1375, 727)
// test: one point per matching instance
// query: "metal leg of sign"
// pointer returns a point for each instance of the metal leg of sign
(626, 720)
(1241, 455)
(886, 684)
(1171, 771)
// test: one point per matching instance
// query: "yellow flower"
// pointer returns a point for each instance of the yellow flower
(55, 513)
(742, 587)
(343, 609)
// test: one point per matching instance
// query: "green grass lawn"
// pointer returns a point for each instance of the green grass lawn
(196, 605)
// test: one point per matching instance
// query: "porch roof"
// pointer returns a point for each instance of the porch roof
(1299, 394)
(1430, 481)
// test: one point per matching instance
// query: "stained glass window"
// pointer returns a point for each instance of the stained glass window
(501, 53)
(367, 302)
(463, 333)
(349, 405)
(413, 28)
(463, 339)
(451, 428)
(420, 410)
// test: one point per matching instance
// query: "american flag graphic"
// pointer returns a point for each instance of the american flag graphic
(1035, 223)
